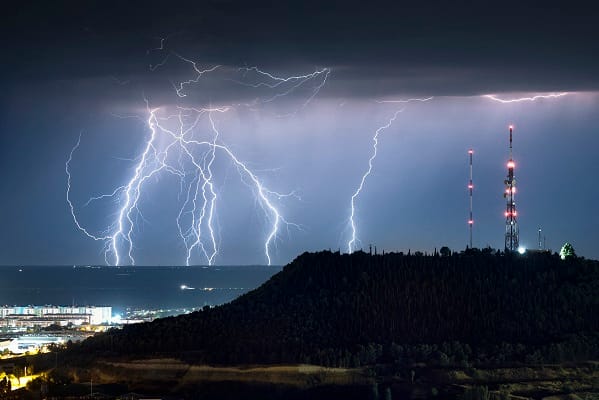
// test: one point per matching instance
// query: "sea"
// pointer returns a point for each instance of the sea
(124, 288)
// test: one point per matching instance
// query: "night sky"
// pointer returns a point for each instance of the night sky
(69, 70)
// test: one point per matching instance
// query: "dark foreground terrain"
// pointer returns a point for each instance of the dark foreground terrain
(479, 324)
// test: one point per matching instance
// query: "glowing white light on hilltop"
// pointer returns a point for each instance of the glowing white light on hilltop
(521, 250)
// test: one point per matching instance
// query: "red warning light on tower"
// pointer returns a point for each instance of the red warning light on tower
(512, 238)
(470, 187)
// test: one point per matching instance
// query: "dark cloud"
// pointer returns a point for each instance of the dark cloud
(374, 48)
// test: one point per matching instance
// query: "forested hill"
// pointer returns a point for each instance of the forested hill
(334, 308)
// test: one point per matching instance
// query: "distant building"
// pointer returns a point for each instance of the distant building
(34, 343)
(24, 344)
(4, 343)
(43, 316)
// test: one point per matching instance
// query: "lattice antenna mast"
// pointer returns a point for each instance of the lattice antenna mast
(470, 189)
(512, 237)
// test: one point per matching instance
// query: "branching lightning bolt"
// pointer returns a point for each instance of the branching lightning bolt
(262, 192)
(287, 85)
(191, 160)
(521, 99)
(199, 73)
(276, 81)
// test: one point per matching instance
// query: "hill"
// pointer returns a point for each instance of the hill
(349, 310)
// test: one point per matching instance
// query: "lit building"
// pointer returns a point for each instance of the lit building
(42, 316)
(35, 343)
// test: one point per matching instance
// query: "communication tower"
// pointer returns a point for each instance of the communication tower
(512, 237)
(470, 188)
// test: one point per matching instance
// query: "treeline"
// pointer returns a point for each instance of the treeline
(349, 310)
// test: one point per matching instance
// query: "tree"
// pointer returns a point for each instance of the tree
(5, 387)
(476, 393)
(567, 251)
(388, 395)
(375, 391)
(445, 251)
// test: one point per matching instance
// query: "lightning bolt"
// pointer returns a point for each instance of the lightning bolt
(375, 141)
(70, 203)
(179, 152)
(154, 67)
(274, 82)
(162, 41)
(161, 47)
(287, 85)
(133, 191)
(263, 193)
(521, 99)
(103, 196)
(424, 99)
(199, 73)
